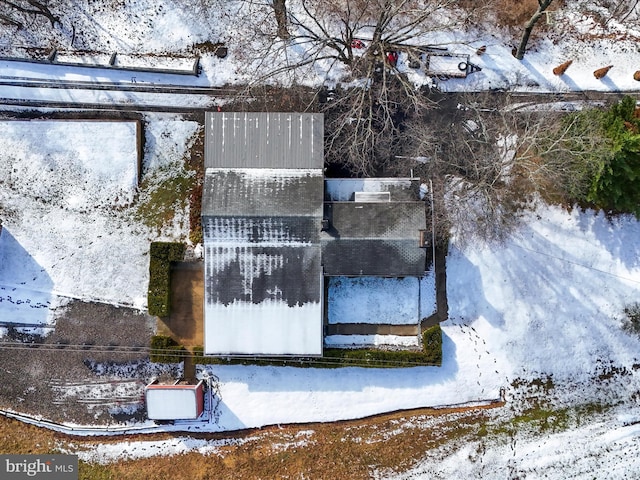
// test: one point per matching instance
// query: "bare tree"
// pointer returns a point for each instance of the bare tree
(16, 12)
(490, 159)
(280, 10)
(543, 5)
(468, 152)
(362, 43)
(621, 10)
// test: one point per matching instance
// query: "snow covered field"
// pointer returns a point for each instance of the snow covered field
(67, 196)
(548, 303)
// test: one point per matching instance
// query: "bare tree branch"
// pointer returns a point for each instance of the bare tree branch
(12, 10)
(542, 6)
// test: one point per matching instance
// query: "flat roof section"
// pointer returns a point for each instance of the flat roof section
(399, 189)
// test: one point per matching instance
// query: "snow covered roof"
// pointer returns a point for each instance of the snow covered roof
(264, 140)
(174, 402)
(263, 285)
(263, 192)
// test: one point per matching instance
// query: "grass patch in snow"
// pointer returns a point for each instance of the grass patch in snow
(169, 187)
(162, 194)
(632, 318)
(543, 419)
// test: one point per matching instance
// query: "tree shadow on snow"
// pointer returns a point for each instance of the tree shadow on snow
(620, 236)
(466, 291)
(25, 286)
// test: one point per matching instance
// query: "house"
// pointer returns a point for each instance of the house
(372, 227)
(274, 229)
(373, 255)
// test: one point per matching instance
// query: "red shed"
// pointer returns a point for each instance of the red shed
(174, 402)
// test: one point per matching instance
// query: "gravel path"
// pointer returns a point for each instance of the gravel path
(82, 385)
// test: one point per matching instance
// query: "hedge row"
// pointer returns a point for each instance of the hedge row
(380, 358)
(338, 357)
(161, 254)
(162, 349)
(432, 345)
(166, 350)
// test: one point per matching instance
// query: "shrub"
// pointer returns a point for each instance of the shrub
(376, 358)
(161, 254)
(593, 158)
(432, 344)
(562, 68)
(195, 210)
(200, 359)
(165, 350)
(602, 72)
(614, 187)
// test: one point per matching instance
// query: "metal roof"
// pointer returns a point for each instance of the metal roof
(262, 286)
(262, 208)
(264, 140)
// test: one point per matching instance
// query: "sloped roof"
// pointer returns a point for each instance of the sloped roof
(261, 218)
(264, 140)
(373, 238)
(262, 192)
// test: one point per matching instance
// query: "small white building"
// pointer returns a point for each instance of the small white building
(174, 402)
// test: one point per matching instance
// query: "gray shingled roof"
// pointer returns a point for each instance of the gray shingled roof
(374, 238)
(272, 193)
(261, 236)
(257, 273)
(264, 140)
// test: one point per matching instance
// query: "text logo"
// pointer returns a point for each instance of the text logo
(50, 467)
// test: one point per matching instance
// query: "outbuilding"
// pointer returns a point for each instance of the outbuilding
(174, 402)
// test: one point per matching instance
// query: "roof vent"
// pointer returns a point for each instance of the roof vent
(325, 225)
(372, 197)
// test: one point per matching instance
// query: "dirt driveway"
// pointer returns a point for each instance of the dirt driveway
(185, 323)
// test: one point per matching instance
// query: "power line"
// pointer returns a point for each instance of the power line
(578, 264)
(182, 354)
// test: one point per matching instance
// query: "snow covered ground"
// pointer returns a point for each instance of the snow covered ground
(549, 302)
(547, 305)
(67, 192)
(401, 301)
(578, 33)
